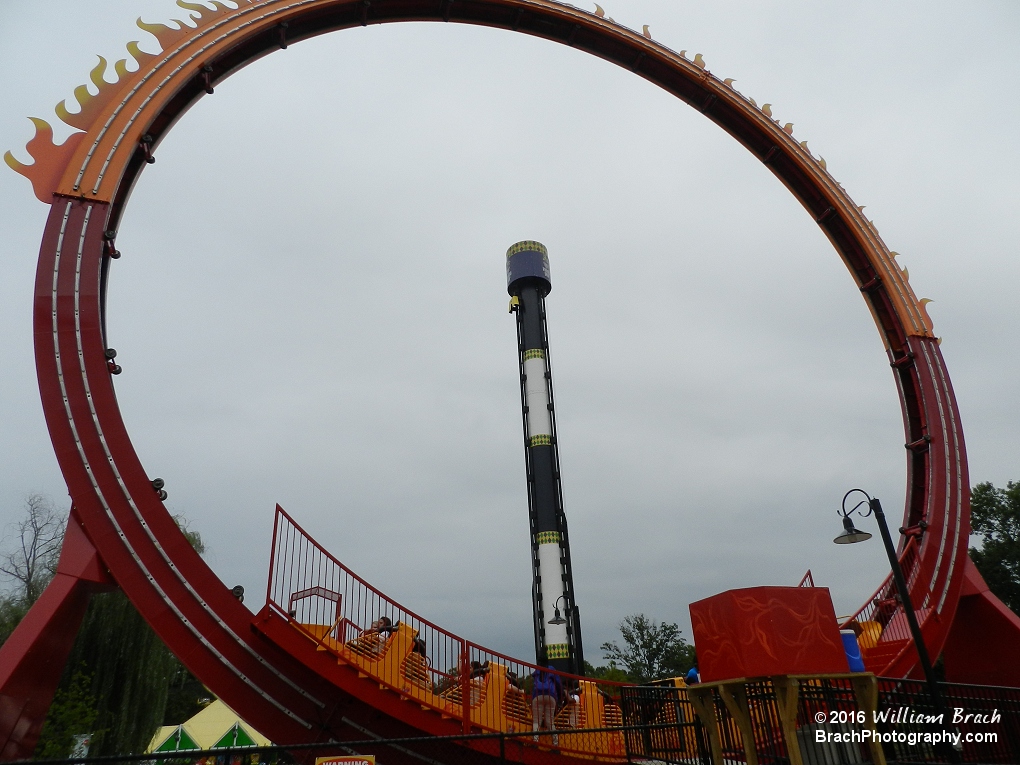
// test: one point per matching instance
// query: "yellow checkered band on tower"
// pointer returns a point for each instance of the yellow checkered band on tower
(548, 537)
(527, 245)
(558, 651)
(534, 353)
(540, 440)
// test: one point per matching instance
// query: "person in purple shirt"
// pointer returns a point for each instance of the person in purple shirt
(546, 693)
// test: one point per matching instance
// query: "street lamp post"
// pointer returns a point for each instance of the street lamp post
(851, 535)
(557, 619)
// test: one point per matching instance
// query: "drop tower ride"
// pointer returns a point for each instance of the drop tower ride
(557, 621)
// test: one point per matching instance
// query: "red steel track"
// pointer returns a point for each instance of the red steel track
(87, 181)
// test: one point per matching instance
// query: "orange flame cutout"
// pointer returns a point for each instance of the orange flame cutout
(199, 15)
(88, 104)
(140, 57)
(198, 8)
(205, 14)
(166, 36)
(928, 324)
(50, 160)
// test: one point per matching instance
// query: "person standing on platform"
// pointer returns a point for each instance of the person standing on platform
(546, 693)
(693, 676)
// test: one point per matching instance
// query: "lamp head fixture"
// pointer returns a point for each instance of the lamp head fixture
(557, 618)
(851, 534)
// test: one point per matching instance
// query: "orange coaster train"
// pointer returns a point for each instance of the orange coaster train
(319, 612)
(299, 679)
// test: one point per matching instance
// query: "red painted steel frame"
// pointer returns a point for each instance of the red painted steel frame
(88, 180)
(33, 658)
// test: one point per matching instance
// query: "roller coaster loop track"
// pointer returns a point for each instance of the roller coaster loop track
(298, 683)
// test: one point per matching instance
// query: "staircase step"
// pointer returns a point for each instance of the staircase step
(879, 656)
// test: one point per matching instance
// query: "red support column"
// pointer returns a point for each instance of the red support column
(984, 639)
(33, 658)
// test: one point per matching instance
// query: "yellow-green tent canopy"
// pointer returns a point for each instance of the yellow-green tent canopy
(215, 727)
(176, 739)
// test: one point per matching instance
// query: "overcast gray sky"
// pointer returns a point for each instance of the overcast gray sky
(311, 305)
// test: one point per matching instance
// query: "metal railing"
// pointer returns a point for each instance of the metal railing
(833, 707)
(986, 719)
(341, 613)
(491, 694)
(663, 725)
(837, 720)
(881, 621)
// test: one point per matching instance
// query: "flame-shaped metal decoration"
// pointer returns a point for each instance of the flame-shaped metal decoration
(52, 161)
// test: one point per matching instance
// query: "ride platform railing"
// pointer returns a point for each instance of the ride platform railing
(482, 689)
(747, 720)
(987, 719)
(881, 623)
(849, 719)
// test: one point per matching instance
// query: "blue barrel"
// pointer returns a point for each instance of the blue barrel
(853, 650)
(527, 264)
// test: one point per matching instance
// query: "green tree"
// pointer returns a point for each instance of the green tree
(186, 696)
(134, 675)
(29, 558)
(72, 712)
(120, 681)
(651, 651)
(130, 670)
(995, 515)
(612, 673)
(12, 611)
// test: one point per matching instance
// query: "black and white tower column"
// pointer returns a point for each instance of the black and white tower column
(557, 624)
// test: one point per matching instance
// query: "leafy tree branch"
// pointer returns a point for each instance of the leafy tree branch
(650, 651)
(995, 515)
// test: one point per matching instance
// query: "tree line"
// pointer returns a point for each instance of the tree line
(121, 682)
(995, 515)
(650, 651)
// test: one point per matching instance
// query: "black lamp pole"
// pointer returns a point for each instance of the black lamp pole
(902, 593)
